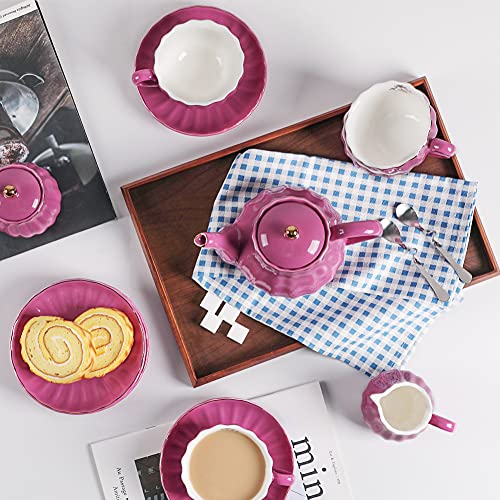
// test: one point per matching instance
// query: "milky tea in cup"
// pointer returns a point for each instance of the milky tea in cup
(227, 462)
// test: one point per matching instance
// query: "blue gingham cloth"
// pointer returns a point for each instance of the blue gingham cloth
(374, 312)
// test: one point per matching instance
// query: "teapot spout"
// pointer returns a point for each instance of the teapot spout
(225, 242)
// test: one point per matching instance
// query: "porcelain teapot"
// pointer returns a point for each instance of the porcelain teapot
(288, 241)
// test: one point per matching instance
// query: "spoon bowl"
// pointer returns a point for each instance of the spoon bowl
(409, 217)
(391, 233)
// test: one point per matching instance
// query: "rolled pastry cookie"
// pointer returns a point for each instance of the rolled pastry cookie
(112, 336)
(59, 351)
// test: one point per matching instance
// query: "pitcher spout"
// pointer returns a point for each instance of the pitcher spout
(224, 242)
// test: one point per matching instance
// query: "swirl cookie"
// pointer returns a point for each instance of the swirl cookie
(59, 351)
(112, 336)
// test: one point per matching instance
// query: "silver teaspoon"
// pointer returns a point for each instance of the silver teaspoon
(409, 217)
(391, 233)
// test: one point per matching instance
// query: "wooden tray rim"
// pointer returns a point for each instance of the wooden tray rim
(126, 192)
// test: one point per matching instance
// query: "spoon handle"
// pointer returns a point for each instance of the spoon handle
(440, 292)
(463, 274)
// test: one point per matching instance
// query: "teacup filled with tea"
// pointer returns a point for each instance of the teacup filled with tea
(227, 462)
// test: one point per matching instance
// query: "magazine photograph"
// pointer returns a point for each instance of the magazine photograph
(40, 125)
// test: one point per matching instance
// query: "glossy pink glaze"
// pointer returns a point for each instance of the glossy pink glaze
(29, 193)
(379, 385)
(37, 204)
(227, 412)
(441, 148)
(68, 299)
(286, 253)
(433, 147)
(145, 77)
(219, 116)
(442, 423)
(357, 232)
(241, 242)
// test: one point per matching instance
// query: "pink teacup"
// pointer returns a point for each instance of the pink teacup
(270, 474)
(198, 62)
(398, 405)
(237, 414)
(391, 128)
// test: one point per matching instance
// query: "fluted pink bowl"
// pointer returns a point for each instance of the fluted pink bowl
(219, 116)
(37, 205)
(227, 412)
(68, 299)
(408, 124)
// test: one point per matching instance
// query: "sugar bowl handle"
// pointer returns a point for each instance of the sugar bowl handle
(356, 232)
(145, 78)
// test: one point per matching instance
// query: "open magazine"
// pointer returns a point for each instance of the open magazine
(39, 124)
(128, 465)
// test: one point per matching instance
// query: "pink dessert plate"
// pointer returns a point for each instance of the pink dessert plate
(68, 299)
(219, 116)
(227, 412)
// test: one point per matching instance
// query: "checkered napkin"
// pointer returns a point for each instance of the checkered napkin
(378, 305)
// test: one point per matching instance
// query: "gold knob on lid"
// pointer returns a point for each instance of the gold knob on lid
(292, 232)
(9, 191)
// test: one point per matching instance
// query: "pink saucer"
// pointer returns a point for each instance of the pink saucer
(68, 299)
(227, 412)
(219, 116)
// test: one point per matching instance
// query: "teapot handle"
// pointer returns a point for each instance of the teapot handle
(356, 232)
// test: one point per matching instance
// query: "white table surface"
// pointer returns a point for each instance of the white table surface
(321, 54)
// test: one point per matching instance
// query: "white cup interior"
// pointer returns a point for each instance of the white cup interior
(186, 460)
(199, 62)
(404, 408)
(388, 124)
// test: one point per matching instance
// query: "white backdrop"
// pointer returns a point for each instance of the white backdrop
(321, 54)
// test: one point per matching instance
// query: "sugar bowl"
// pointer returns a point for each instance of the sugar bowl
(30, 200)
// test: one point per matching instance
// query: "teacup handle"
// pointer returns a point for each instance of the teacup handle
(283, 479)
(145, 78)
(442, 423)
(441, 148)
(356, 232)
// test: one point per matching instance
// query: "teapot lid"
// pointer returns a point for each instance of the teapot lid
(291, 234)
(20, 193)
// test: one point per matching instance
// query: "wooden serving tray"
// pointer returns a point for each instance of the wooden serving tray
(167, 216)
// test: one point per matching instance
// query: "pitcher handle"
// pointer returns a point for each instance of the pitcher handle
(441, 148)
(356, 232)
(442, 423)
(145, 78)
(283, 479)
